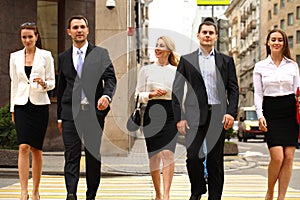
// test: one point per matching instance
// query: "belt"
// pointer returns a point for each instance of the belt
(209, 107)
(85, 106)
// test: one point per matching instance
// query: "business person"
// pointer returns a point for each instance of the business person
(83, 102)
(154, 87)
(209, 109)
(276, 79)
(32, 75)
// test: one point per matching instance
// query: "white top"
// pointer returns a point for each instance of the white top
(152, 77)
(23, 88)
(270, 80)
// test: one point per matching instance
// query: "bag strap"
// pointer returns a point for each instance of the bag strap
(137, 102)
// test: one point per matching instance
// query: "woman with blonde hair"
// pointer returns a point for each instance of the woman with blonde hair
(154, 88)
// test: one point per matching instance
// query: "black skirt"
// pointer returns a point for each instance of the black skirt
(280, 114)
(31, 123)
(159, 127)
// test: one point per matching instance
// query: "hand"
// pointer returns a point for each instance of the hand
(228, 121)
(40, 81)
(262, 124)
(182, 126)
(157, 93)
(59, 126)
(103, 103)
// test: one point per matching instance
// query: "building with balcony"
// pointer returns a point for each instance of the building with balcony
(250, 22)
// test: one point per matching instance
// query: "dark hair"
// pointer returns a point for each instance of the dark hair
(208, 22)
(32, 26)
(286, 49)
(77, 17)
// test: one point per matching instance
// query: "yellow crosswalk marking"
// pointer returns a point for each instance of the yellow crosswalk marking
(237, 187)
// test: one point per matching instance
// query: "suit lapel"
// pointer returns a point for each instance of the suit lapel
(219, 64)
(195, 62)
(20, 64)
(69, 62)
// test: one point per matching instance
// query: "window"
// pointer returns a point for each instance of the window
(275, 9)
(291, 41)
(270, 15)
(282, 24)
(275, 26)
(290, 19)
(298, 12)
(282, 4)
(298, 37)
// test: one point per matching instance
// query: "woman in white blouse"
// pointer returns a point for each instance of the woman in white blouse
(276, 79)
(154, 88)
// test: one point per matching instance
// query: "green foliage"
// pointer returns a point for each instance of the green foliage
(8, 135)
(230, 134)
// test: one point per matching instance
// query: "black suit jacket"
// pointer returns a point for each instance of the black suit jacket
(98, 78)
(194, 108)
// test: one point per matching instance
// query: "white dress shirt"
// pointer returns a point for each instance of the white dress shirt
(208, 71)
(270, 80)
(152, 77)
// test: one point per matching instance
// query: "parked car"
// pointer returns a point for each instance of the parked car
(248, 125)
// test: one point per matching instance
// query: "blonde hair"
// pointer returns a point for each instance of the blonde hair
(173, 57)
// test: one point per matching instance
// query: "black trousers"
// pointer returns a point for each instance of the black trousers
(75, 133)
(214, 133)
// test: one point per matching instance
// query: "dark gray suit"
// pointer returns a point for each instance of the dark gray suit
(97, 79)
(203, 120)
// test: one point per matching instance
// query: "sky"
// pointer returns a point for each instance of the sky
(178, 19)
(173, 18)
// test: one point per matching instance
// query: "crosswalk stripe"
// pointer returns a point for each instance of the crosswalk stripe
(237, 187)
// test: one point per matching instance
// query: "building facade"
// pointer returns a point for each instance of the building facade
(250, 22)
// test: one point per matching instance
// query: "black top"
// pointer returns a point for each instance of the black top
(28, 71)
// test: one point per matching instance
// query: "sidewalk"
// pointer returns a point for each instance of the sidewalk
(135, 163)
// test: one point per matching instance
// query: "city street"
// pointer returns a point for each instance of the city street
(245, 177)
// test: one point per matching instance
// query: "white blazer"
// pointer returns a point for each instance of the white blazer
(21, 88)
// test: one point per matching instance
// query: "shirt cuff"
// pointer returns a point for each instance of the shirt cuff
(108, 97)
(59, 121)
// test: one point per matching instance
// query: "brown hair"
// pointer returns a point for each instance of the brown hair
(32, 26)
(173, 57)
(208, 23)
(286, 50)
(77, 17)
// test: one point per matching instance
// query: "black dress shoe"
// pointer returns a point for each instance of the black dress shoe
(195, 197)
(71, 197)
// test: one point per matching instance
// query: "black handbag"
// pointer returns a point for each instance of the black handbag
(134, 120)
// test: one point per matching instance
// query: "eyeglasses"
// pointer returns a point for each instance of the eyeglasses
(28, 24)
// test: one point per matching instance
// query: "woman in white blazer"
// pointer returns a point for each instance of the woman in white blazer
(32, 75)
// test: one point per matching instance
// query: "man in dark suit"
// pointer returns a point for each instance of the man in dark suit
(205, 102)
(86, 85)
